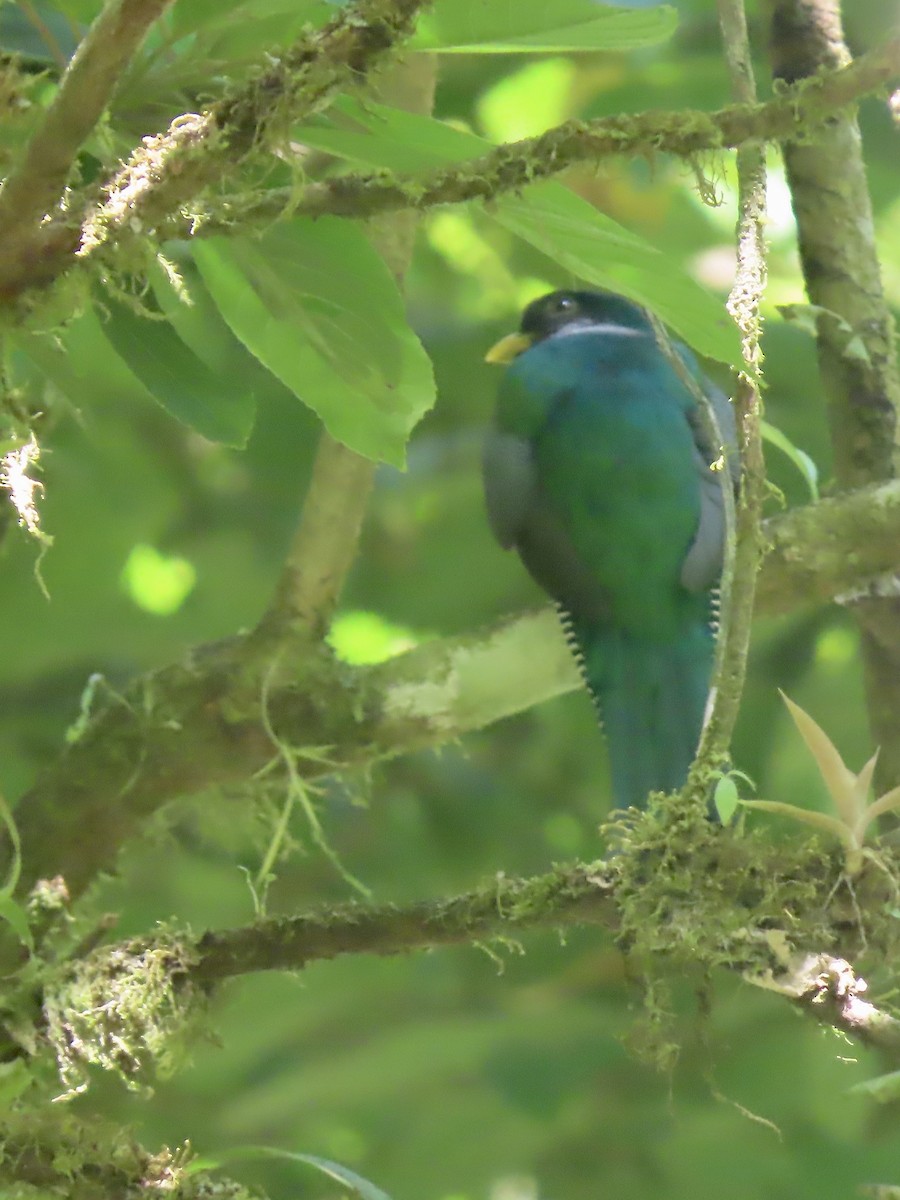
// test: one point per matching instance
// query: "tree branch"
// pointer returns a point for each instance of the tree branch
(513, 166)
(745, 551)
(821, 552)
(147, 196)
(166, 172)
(840, 266)
(678, 892)
(324, 546)
(737, 903)
(829, 990)
(35, 186)
(822, 985)
(503, 907)
(197, 725)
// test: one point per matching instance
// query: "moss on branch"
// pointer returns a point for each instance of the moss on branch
(34, 187)
(167, 171)
(146, 198)
(797, 111)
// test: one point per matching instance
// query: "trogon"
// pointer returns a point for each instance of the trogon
(601, 472)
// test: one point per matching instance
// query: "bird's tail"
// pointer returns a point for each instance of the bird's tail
(652, 699)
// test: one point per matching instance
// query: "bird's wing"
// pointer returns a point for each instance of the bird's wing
(520, 517)
(510, 484)
(703, 562)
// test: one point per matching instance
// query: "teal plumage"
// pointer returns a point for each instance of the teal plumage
(597, 472)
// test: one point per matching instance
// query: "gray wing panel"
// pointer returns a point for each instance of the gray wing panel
(519, 519)
(510, 483)
(703, 562)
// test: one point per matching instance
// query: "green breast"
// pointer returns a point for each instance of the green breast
(615, 468)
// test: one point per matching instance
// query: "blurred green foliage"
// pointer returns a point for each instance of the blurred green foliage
(496, 1073)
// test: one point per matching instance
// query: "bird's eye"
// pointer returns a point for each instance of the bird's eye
(564, 304)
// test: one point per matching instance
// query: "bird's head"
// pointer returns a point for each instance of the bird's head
(570, 312)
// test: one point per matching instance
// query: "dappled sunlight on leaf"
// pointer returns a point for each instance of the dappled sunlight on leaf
(533, 26)
(366, 637)
(529, 101)
(156, 582)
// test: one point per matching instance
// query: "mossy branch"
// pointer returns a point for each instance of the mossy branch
(146, 197)
(727, 918)
(197, 724)
(734, 903)
(745, 550)
(511, 167)
(35, 186)
(504, 907)
(166, 172)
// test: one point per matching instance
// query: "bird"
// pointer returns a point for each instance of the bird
(600, 471)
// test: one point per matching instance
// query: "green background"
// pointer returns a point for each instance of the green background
(499, 1072)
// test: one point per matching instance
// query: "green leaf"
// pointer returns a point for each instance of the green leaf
(205, 400)
(15, 1078)
(278, 21)
(381, 137)
(44, 34)
(190, 311)
(536, 26)
(318, 307)
(254, 36)
(806, 816)
(82, 362)
(798, 457)
(356, 1183)
(78, 10)
(15, 867)
(17, 918)
(78, 360)
(836, 775)
(883, 1089)
(549, 216)
(596, 249)
(725, 799)
(193, 314)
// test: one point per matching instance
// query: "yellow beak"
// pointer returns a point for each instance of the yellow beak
(508, 348)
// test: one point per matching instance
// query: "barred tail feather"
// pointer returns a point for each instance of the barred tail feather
(652, 700)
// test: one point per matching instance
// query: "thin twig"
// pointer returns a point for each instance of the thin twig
(745, 549)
